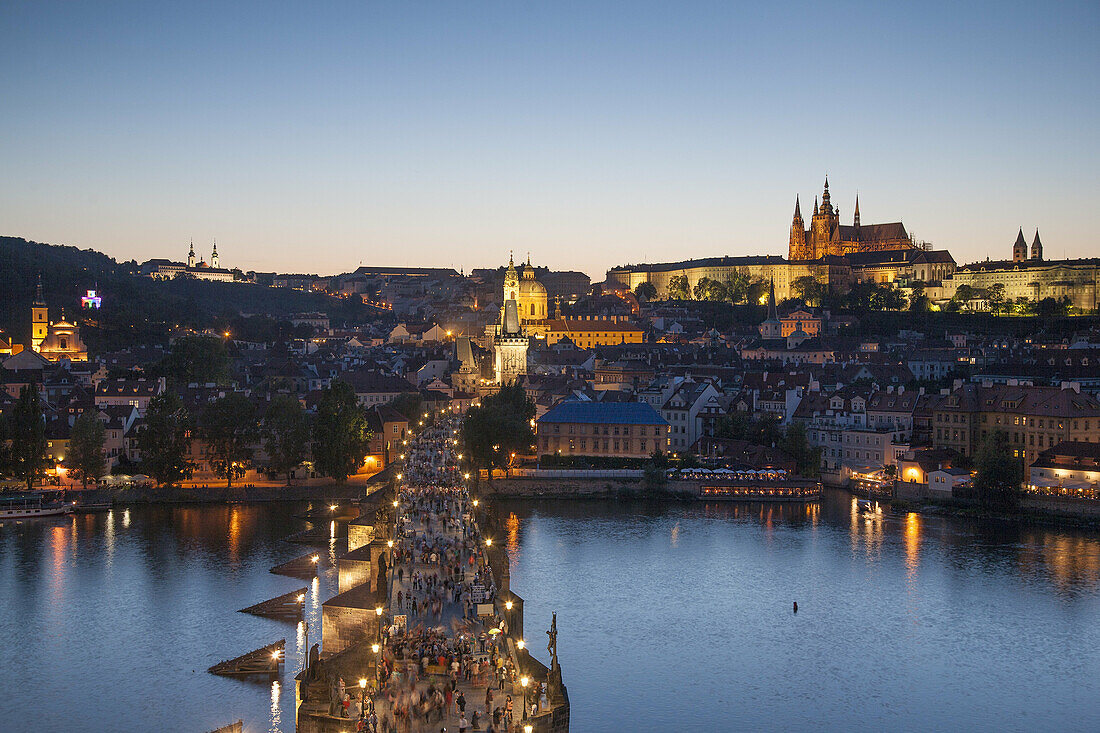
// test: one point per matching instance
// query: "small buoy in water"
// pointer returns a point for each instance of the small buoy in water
(796, 606)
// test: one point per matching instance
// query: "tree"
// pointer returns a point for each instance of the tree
(709, 289)
(408, 404)
(678, 288)
(809, 290)
(230, 428)
(646, 291)
(197, 359)
(164, 441)
(995, 294)
(737, 286)
(286, 431)
(28, 437)
(795, 444)
(499, 428)
(998, 474)
(1053, 307)
(918, 301)
(86, 458)
(5, 446)
(340, 434)
(758, 290)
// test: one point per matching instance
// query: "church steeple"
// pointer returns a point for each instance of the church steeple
(826, 200)
(191, 255)
(855, 218)
(1019, 247)
(214, 254)
(815, 205)
(1036, 247)
(797, 213)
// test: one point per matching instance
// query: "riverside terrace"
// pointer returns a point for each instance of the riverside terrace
(426, 632)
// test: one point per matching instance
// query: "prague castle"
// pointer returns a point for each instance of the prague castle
(827, 236)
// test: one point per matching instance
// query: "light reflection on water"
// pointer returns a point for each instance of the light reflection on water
(678, 617)
(672, 617)
(114, 618)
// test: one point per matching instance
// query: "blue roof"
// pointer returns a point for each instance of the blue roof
(604, 413)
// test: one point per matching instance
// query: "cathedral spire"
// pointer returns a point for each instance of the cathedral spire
(797, 213)
(1036, 247)
(815, 205)
(826, 200)
(855, 219)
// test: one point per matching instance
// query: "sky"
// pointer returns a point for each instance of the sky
(315, 137)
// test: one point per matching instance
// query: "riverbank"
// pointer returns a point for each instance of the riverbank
(238, 494)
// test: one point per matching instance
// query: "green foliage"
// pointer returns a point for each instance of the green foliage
(86, 458)
(757, 290)
(678, 288)
(286, 430)
(646, 291)
(738, 425)
(499, 427)
(794, 443)
(874, 297)
(165, 440)
(1053, 307)
(229, 427)
(708, 289)
(340, 435)
(810, 290)
(998, 473)
(737, 286)
(200, 359)
(409, 404)
(995, 294)
(28, 437)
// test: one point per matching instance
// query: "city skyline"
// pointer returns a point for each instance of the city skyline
(317, 140)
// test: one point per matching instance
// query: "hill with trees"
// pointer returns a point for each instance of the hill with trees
(137, 309)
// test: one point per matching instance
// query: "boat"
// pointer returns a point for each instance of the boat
(29, 506)
(867, 506)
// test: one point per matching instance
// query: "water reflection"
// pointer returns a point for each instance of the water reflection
(993, 625)
(276, 710)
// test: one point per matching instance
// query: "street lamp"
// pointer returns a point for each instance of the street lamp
(508, 605)
(521, 644)
(488, 541)
(476, 501)
(523, 682)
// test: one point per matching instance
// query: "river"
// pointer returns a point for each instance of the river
(670, 617)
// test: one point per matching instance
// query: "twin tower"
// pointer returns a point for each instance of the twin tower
(1019, 249)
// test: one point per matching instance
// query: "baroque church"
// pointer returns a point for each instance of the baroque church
(826, 236)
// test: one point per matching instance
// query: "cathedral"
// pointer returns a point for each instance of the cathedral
(827, 236)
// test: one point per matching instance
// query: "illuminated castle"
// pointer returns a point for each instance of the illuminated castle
(827, 236)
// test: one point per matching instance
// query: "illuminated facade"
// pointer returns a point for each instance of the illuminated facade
(826, 236)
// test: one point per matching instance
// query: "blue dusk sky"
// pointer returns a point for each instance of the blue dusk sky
(317, 136)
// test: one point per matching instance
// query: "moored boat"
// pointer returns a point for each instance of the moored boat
(29, 506)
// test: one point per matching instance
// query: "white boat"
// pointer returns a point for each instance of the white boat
(29, 507)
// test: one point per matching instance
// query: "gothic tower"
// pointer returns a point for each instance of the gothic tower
(214, 255)
(510, 346)
(191, 255)
(1019, 248)
(855, 218)
(822, 226)
(1036, 247)
(40, 317)
(797, 249)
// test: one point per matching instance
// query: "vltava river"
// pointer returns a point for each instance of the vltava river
(670, 617)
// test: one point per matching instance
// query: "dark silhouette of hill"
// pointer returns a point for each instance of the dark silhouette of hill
(136, 309)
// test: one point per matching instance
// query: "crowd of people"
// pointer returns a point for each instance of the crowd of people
(443, 662)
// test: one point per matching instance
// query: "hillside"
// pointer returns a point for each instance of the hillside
(136, 309)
